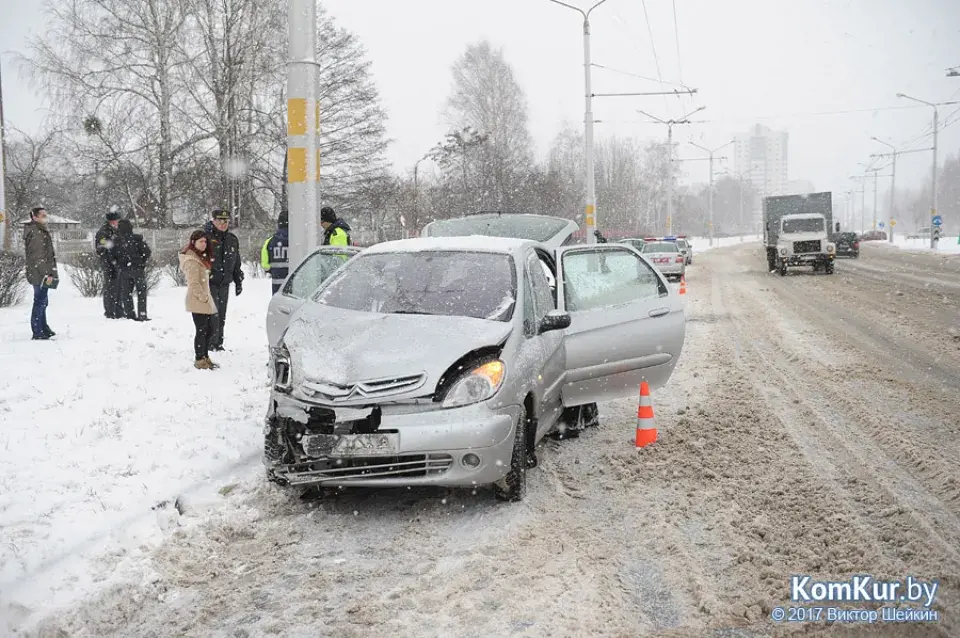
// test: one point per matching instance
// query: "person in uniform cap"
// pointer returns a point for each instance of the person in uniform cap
(226, 268)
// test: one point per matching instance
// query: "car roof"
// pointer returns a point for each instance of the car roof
(470, 243)
(566, 227)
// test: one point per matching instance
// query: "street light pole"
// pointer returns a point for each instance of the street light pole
(303, 128)
(590, 206)
(710, 192)
(670, 124)
(893, 185)
(936, 126)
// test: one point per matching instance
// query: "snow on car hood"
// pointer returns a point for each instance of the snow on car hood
(331, 345)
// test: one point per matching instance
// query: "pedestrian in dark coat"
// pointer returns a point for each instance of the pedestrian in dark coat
(226, 268)
(41, 271)
(103, 244)
(131, 254)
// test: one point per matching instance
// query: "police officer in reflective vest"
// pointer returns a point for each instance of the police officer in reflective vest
(273, 255)
(336, 232)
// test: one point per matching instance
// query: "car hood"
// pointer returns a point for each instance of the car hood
(342, 347)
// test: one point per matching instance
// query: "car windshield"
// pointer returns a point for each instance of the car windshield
(449, 283)
(533, 227)
(682, 243)
(803, 225)
(660, 247)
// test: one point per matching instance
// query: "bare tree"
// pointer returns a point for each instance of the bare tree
(487, 98)
(27, 170)
(123, 54)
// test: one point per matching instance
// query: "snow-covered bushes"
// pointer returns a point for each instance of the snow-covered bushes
(11, 278)
(86, 273)
(168, 262)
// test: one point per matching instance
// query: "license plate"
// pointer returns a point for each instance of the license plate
(663, 260)
(348, 445)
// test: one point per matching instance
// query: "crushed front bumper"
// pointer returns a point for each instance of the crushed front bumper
(459, 447)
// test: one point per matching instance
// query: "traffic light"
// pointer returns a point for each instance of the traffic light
(936, 233)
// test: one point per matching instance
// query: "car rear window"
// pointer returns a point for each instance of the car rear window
(449, 283)
(660, 247)
(532, 227)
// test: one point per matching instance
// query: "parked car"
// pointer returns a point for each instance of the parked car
(445, 360)
(301, 283)
(848, 244)
(686, 249)
(874, 235)
(667, 258)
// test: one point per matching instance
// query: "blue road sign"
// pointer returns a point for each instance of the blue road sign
(880, 224)
(937, 220)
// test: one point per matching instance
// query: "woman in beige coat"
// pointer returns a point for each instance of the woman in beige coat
(195, 264)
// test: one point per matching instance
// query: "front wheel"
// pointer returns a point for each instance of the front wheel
(783, 269)
(513, 486)
(828, 267)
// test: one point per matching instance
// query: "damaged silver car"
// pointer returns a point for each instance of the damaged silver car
(444, 361)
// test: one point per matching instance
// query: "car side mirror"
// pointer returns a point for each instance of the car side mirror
(555, 320)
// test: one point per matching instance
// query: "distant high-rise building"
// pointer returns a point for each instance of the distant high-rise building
(761, 159)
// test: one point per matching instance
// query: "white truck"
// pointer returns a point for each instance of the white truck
(796, 232)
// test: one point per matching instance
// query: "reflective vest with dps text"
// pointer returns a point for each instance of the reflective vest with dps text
(274, 257)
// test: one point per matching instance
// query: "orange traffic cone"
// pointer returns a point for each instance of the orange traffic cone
(646, 428)
(683, 284)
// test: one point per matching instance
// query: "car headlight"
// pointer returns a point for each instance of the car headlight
(282, 377)
(783, 251)
(479, 384)
(831, 248)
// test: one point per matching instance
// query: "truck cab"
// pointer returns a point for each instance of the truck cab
(803, 241)
(796, 232)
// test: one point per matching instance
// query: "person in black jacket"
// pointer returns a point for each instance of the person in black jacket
(224, 246)
(132, 253)
(103, 244)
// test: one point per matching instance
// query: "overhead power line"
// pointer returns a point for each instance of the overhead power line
(637, 75)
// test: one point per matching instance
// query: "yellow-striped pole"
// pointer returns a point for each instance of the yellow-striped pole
(303, 128)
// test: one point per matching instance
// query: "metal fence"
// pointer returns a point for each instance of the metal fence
(69, 243)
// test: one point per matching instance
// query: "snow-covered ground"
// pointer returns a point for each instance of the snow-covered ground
(110, 419)
(946, 246)
(104, 422)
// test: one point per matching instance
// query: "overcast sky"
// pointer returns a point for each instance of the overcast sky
(775, 62)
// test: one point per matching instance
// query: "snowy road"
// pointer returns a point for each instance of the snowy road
(811, 427)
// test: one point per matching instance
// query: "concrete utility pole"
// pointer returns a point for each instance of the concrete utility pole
(936, 126)
(303, 128)
(710, 192)
(4, 215)
(893, 178)
(863, 202)
(670, 124)
(590, 206)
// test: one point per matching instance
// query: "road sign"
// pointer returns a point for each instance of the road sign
(893, 223)
(880, 224)
(937, 220)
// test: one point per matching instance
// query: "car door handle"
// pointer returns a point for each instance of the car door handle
(659, 312)
(286, 310)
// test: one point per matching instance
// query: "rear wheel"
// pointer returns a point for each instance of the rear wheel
(513, 486)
